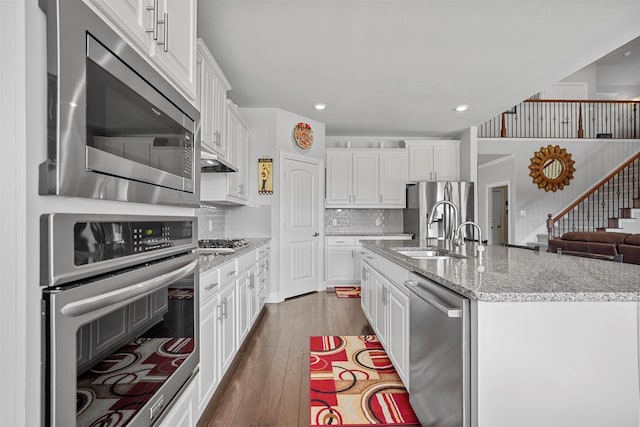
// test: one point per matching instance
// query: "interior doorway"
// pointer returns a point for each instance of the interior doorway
(499, 214)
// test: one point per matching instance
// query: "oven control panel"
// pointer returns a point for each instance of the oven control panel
(101, 241)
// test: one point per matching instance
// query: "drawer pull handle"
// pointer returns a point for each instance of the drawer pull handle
(231, 273)
(211, 286)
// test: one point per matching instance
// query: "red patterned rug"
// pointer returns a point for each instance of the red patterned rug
(353, 383)
(348, 291)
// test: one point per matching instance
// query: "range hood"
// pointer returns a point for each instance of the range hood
(212, 163)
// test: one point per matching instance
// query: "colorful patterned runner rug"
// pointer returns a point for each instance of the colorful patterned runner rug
(353, 383)
(348, 291)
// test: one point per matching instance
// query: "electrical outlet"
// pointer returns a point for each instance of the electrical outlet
(210, 225)
(523, 213)
(334, 222)
(378, 221)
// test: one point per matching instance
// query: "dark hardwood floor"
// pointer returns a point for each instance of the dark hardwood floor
(269, 384)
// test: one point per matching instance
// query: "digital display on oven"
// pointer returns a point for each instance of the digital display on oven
(102, 241)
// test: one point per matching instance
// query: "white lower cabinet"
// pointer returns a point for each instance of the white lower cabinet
(210, 314)
(228, 343)
(231, 297)
(386, 305)
(342, 257)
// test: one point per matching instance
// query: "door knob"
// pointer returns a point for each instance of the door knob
(316, 234)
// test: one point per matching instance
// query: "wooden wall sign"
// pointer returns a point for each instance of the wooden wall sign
(265, 175)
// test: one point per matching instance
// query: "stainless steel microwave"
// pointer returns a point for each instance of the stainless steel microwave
(117, 129)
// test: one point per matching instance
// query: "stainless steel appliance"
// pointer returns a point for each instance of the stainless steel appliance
(120, 317)
(117, 129)
(422, 196)
(439, 355)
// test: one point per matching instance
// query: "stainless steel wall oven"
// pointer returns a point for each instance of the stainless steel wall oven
(120, 317)
(117, 129)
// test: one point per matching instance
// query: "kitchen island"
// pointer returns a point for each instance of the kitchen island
(553, 338)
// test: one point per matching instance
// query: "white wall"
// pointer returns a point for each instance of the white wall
(594, 159)
(496, 173)
(271, 132)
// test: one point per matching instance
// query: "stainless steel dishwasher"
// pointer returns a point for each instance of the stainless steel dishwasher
(440, 358)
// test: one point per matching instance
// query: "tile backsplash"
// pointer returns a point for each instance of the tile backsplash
(211, 222)
(363, 220)
(218, 221)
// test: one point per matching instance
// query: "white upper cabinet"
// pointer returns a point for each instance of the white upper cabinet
(366, 178)
(212, 95)
(434, 160)
(175, 49)
(163, 30)
(230, 187)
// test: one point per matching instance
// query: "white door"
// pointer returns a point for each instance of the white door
(301, 226)
(499, 223)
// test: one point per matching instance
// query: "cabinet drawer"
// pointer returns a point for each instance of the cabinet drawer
(228, 271)
(368, 256)
(341, 241)
(209, 284)
(246, 261)
(392, 271)
(263, 251)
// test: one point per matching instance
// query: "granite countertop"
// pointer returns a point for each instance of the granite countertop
(210, 261)
(519, 275)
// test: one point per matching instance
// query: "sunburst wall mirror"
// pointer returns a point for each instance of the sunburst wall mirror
(551, 168)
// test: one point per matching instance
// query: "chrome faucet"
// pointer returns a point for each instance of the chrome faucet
(459, 241)
(447, 233)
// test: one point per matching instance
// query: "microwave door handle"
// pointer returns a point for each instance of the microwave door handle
(87, 305)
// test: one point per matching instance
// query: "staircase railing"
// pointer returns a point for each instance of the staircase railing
(563, 118)
(601, 207)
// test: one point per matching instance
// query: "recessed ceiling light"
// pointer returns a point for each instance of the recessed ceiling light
(320, 106)
(461, 108)
(627, 53)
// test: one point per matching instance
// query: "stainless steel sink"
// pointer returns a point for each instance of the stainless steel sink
(425, 253)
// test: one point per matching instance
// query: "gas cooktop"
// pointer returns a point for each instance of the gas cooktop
(222, 243)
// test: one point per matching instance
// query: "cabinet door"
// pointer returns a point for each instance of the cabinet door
(398, 331)
(242, 288)
(366, 179)
(254, 301)
(177, 56)
(340, 263)
(206, 92)
(393, 178)
(243, 163)
(339, 179)
(182, 414)
(219, 117)
(210, 315)
(365, 290)
(131, 17)
(380, 311)
(446, 159)
(421, 162)
(228, 343)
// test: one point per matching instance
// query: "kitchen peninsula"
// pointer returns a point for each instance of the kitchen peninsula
(554, 339)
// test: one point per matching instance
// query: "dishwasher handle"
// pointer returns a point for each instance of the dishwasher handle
(433, 300)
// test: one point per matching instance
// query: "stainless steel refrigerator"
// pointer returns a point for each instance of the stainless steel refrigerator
(422, 196)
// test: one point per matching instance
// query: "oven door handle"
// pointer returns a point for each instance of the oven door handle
(87, 305)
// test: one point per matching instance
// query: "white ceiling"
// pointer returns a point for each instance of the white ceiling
(398, 67)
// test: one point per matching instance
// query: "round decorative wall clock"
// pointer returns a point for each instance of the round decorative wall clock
(303, 135)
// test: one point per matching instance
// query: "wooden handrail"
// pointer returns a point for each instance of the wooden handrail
(594, 101)
(595, 188)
